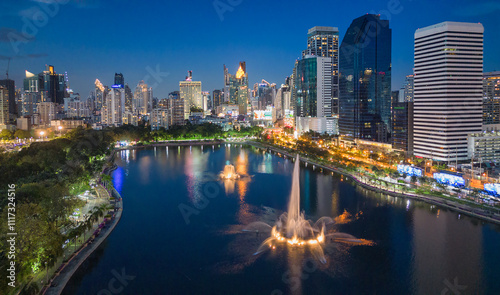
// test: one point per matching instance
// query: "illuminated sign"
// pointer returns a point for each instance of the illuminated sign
(409, 170)
(493, 188)
(449, 179)
(117, 86)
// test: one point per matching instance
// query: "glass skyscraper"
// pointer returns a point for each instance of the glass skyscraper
(365, 80)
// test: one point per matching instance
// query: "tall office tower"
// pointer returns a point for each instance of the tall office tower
(128, 97)
(313, 87)
(11, 88)
(324, 42)
(113, 109)
(365, 80)
(52, 86)
(99, 94)
(32, 95)
(233, 82)
(119, 81)
(176, 107)
(448, 93)
(217, 98)
(190, 93)
(491, 101)
(4, 105)
(399, 136)
(408, 88)
(206, 100)
(142, 100)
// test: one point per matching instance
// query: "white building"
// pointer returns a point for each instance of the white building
(190, 93)
(447, 89)
(112, 111)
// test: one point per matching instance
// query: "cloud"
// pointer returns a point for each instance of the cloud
(27, 56)
(9, 34)
(478, 9)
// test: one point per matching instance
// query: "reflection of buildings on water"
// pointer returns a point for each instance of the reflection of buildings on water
(195, 166)
(445, 248)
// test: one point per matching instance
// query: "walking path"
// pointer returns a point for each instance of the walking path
(67, 269)
(462, 208)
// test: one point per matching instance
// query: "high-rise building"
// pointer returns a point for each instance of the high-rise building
(448, 91)
(52, 86)
(129, 97)
(217, 98)
(365, 80)
(176, 106)
(160, 118)
(324, 42)
(408, 88)
(190, 93)
(11, 89)
(313, 86)
(399, 136)
(113, 109)
(119, 81)
(206, 100)
(232, 84)
(491, 101)
(4, 105)
(142, 101)
(47, 111)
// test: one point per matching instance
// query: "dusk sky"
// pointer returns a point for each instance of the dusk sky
(94, 39)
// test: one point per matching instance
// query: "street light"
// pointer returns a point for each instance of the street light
(41, 134)
(60, 129)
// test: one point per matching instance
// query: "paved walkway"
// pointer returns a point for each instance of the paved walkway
(462, 208)
(66, 271)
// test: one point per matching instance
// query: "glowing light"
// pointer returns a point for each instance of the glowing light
(240, 73)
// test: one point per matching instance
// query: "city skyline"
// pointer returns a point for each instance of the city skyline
(171, 51)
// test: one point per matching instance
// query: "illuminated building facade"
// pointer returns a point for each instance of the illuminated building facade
(491, 101)
(236, 88)
(190, 93)
(448, 90)
(10, 86)
(4, 105)
(324, 42)
(365, 80)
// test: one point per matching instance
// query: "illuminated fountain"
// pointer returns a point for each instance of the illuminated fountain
(292, 229)
(229, 172)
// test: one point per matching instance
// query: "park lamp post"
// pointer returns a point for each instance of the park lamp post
(60, 129)
(41, 135)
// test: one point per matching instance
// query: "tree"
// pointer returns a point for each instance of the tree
(22, 134)
(6, 135)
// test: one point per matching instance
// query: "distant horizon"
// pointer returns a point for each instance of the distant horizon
(160, 42)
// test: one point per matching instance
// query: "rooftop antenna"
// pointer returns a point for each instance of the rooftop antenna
(7, 72)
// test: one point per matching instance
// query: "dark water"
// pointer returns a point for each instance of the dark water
(420, 249)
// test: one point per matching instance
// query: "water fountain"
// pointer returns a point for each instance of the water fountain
(229, 172)
(294, 230)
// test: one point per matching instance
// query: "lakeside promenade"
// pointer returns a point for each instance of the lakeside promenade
(361, 180)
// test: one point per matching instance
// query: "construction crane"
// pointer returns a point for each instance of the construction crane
(7, 72)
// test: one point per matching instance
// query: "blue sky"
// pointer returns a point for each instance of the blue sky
(94, 39)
